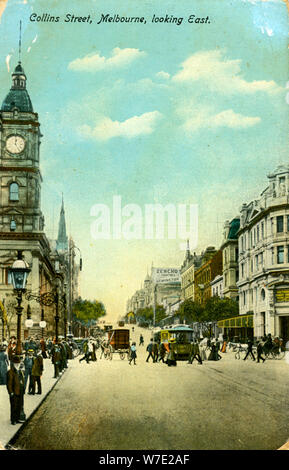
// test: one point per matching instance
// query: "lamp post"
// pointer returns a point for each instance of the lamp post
(19, 272)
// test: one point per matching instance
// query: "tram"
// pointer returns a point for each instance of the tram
(179, 337)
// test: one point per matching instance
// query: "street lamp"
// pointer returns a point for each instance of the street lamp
(19, 272)
(42, 323)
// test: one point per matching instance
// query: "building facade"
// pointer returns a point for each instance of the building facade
(190, 264)
(263, 240)
(230, 254)
(211, 267)
(21, 218)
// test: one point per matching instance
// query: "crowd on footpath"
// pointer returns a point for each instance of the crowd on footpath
(22, 373)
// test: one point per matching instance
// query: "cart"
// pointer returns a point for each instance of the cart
(118, 342)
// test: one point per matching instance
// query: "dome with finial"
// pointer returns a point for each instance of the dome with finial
(18, 96)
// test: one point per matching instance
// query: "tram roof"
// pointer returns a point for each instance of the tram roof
(179, 328)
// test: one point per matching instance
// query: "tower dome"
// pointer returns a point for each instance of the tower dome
(18, 96)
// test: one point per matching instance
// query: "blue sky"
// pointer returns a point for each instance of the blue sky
(155, 113)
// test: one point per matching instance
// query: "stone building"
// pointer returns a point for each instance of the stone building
(264, 257)
(190, 264)
(230, 252)
(21, 218)
(211, 267)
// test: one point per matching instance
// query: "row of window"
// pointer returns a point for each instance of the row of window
(277, 257)
(253, 294)
(258, 233)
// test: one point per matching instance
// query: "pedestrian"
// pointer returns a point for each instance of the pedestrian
(141, 340)
(15, 388)
(155, 351)
(150, 350)
(49, 346)
(28, 364)
(4, 363)
(162, 352)
(86, 352)
(63, 354)
(224, 347)
(11, 349)
(43, 348)
(202, 347)
(213, 356)
(171, 359)
(37, 371)
(259, 352)
(218, 347)
(250, 350)
(133, 355)
(55, 357)
(195, 354)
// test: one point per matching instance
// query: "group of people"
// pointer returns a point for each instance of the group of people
(17, 372)
(89, 349)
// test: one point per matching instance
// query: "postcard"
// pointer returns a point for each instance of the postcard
(144, 224)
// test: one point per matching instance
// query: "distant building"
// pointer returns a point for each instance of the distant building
(217, 287)
(211, 267)
(191, 262)
(229, 249)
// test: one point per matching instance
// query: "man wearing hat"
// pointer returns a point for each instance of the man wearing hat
(28, 363)
(15, 387)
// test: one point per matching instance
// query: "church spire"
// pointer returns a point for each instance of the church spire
(62, 240)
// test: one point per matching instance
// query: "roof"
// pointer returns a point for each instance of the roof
(17, 98)
(234, 227)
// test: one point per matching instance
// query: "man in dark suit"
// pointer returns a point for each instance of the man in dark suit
(37, 371)
(250, 350)
(15, 387)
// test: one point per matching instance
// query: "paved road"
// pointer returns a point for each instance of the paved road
(227, 404)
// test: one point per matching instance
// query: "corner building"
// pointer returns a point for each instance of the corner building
(21, 219)
(263, 240)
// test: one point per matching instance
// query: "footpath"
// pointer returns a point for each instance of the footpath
(31, 403)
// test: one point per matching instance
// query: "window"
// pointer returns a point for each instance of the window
(14, 192)
(262, 294)
(272, 255)
(258, 233)
(236, 254)
(244, 298)
(242, 269)
(287, 223)
(280, 254)
(262, 230)
(256, 262)
(280, 223)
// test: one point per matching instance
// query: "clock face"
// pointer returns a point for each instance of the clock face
(15, 144)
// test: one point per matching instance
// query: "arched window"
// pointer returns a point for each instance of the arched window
(14, 192)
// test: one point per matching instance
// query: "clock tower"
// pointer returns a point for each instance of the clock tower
(19, 160)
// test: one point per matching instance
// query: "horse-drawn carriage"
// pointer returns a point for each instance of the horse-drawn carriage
(117, 342)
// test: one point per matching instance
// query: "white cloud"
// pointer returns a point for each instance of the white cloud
(95, 62)
(227, 118)
(163, 75)
(106, 129)
(220, 74)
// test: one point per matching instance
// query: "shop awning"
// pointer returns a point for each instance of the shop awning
(242, 321)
